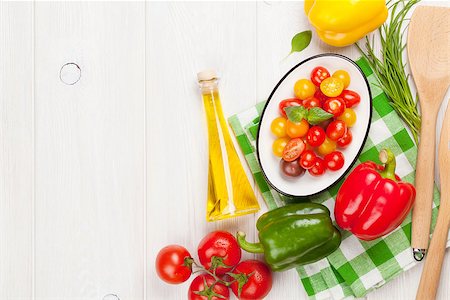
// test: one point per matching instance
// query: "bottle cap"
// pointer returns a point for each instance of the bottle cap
(206, 75)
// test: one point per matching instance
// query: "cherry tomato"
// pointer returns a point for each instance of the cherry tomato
(278, 127)
(311, 102)
(171, 265)
(335, 106)
(316, 136)
(291, 168)
(304, 89)
(288, 103)
(324, 124)
(220, 246)
(307, 159)
(319, 95)
(204, 287)
(345, 140)
(343, 76)
(332, 87)
(326, 147)
(295, 130)
(257, 279)
(318, 168)
(293, 149)
(318, 74)
(334, 160)
(336, 130)
(279, 145)
(348, 116)
(350, 98)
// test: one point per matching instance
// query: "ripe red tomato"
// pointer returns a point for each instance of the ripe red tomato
(257, 279)
(171, 264)
(321, 96)
(335, 106)
(336, 130)
(287, 103)
(335, 160)
(350, 98)
(318, 74)
(345, 140)
(219, 249)
(311, 102)
(307, 159)
(316, 136)
(293, 149)
(318, 168)
(198, 290)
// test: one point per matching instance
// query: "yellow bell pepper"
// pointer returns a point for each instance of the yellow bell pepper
(342, 22)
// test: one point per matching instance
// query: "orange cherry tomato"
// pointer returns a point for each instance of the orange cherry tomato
(295, 130)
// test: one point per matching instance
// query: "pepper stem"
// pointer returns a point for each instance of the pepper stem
(247, 246)
(388, 159)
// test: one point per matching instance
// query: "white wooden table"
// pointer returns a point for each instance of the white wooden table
(97, 176)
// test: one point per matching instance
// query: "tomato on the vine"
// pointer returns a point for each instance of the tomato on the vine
(279, 145)
(336, 129)
(311, 102)
(205, 287)
(173, 264)
(307, 159)
(304, 89)
(253, 280)
(219, 250)
(318, 167)
(288, 103)
(293, 149)
(316, 136)
(326, 147)
(332, 87)
(278, 127)
(343, 76)
(345, 140)
(334, 160)
(351, 98)
(318, 74)
(348, 116)
(335, 106)
(295, 130)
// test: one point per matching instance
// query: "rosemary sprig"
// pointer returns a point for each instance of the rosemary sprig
(390, 68)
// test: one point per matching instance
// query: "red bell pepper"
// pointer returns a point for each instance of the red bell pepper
(373, 201)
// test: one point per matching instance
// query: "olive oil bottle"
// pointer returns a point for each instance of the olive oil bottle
(229, 191)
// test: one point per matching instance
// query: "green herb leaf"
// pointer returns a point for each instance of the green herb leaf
(316, 115)
(295, 114)
(300, 41)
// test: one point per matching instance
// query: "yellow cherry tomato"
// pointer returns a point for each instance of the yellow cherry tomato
(304, 89)
(278, 127)
(332, 87)
(279, 145)
(344, 76)
(326, 147)
(348, 116)
(295, 130)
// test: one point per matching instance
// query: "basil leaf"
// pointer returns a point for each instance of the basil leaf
(296, 114)
(317, 115)
(300, 41)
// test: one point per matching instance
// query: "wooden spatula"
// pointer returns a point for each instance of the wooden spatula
(428, 53)
(432, 270)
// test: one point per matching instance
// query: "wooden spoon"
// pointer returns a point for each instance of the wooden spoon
(428, 53)
(429, 281)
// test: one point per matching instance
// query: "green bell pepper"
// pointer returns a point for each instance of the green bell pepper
(294, 235)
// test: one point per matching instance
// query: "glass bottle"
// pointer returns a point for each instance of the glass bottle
(229, 191)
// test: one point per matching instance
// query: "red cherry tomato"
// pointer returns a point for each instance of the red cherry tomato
(316, 136)
(222, 246)
(318, 74)
(293, 149)
(287, 103)
(307, 159)
(335, 106)
(350, 98)
(334, 160)
(345, 140)
(257, 279)
(311, 102)
(318, 168)
(171, 265)
(321, 96)
(336, 130)
(198, 290)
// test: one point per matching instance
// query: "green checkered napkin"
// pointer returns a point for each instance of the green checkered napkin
(357, 266)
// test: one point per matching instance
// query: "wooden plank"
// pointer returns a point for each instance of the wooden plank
(183, 39)
(90, 150)
(16, 150)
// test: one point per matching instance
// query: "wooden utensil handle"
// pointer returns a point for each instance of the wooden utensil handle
(421, 217)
